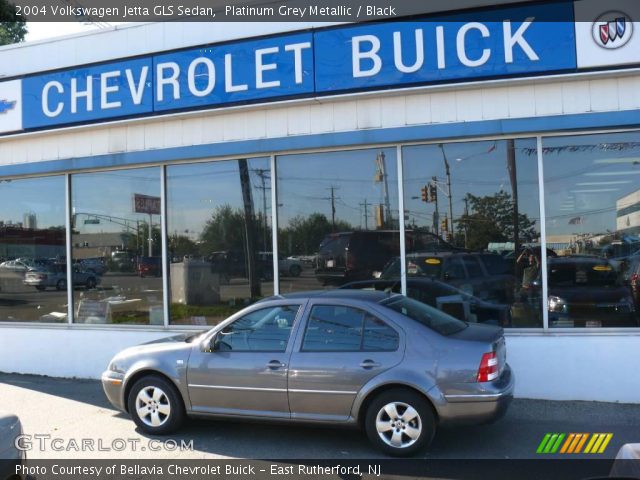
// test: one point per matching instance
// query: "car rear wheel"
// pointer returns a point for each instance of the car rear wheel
(400, 422)
(295, 270)
(61, 285)
(155, 405)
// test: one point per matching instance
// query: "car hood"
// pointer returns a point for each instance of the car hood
(596, 294)
(156, 349)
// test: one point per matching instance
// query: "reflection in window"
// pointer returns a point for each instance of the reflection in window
(32, 250)
(592, 190)
(338, 217)
(478, 202)
(116, 247)
(219, 238)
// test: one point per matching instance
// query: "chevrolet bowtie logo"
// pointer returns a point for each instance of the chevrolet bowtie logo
(6, 105)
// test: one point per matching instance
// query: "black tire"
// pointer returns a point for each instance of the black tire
(61, 285)
(404, 399)
(169, 395)
(295, 270)
(91, 283)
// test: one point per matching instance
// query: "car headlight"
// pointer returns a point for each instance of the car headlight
(115, 367)
(557, 304)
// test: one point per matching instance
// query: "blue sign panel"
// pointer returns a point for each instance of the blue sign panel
(446, 48)
(380, 55)
(237, 72)
(97, 92)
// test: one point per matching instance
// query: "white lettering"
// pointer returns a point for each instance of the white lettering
(106, 89)
(261, 68)
(87, 94)
(397, 52)
(228, 77)
(460, 44)
(296, 48)
(511, 39)
(210, 73)
(171, 80)
(136, 91)
(45, 99)
(440, 46)
(357, 55)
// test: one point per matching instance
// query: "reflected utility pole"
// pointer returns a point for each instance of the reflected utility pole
(263, 173)
(333, 199)
(513, 177)
(448, 174)
(366, 213)
(250, 244)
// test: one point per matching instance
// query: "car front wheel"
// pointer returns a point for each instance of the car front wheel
(155, 405)
(400, 422)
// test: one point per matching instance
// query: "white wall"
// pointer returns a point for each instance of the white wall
(573, 366)
(422, 106)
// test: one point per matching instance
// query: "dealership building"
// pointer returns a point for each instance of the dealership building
(187, 169)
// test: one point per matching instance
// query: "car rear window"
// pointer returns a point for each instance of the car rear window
(334, 244)
(424, 266)
(428, 316)
(495, 264)
(582, 274)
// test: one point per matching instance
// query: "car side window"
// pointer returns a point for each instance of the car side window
(336, 328)
(455, 270)
(264, 330)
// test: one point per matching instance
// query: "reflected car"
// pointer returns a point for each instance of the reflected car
(10, 455)
(380, 361)
(16, 265)
(149, 266)
(288, 267)
(484, 275)
(96, 265)
(55, 276)
(631, 277)
(444, 297)
(586, 291)
(233, 264)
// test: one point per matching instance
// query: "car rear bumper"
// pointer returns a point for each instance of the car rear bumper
(488, 403)
(112, 383)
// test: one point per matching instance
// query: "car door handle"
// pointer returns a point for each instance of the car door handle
(367, 364)
(276, 364)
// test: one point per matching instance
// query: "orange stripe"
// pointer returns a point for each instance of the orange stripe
(580, 445)
(575, 442)
(567, 442)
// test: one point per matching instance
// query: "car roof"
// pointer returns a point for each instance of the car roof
(361, 295)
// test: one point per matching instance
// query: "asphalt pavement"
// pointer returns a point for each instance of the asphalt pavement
(70, 418)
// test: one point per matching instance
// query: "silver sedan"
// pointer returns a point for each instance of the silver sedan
(391, 365)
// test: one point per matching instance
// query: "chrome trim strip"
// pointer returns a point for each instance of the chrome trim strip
(330, 392)
(245, 389)
(469, 397)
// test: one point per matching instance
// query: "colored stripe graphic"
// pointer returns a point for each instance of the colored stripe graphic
(574, 443)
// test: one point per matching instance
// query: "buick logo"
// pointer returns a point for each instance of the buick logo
(612, 30)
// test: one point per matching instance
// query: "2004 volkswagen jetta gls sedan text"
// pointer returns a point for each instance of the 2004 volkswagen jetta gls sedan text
(389, 364)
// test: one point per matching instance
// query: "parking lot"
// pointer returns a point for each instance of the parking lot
(76, 410)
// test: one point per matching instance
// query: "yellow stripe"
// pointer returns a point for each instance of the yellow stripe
(574, 443)
(598, 442)
(590, 444)
(584, 439)
(567, 442)
(606, 442)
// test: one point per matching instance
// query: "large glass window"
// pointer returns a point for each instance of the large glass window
(472, 215)
(116, 247)
(337, 216)
(219, 238)
(592, 190)
(32, 250)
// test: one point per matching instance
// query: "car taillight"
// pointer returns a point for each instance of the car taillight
(634, 279)
(489, 368)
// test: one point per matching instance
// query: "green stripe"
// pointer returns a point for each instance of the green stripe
(543, 443)
(552, 440)
(558, 442)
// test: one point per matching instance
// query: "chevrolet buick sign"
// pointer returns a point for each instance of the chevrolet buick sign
(511, 41)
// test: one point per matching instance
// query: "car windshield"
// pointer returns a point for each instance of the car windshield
(428, 316)
(582, 274)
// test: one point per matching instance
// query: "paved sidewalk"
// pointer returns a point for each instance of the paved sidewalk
(72, 410)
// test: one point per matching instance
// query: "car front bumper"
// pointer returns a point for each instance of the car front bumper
(112, 384)
(488, 403)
